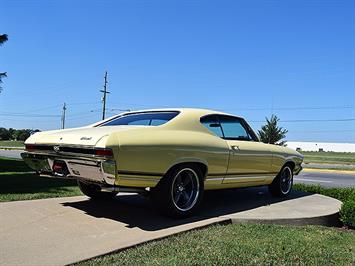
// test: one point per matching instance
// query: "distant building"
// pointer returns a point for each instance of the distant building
(321, 146)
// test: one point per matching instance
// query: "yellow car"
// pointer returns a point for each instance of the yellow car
(172, 154)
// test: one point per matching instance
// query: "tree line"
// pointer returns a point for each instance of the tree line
(16, 134)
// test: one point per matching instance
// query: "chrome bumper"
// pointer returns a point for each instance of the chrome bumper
(98, 170)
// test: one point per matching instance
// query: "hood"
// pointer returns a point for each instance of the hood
(86, 136)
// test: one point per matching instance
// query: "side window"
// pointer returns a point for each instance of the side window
(211, 122)
(233, 129)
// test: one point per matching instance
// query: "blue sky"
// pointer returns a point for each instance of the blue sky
(251, 58)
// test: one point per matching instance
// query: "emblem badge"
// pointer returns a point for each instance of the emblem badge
(56, 148)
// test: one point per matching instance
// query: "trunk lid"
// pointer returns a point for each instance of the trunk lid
(85, 136)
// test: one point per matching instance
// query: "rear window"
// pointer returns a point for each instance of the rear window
(142, 119)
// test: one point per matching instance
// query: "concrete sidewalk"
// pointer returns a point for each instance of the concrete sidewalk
(66, 230)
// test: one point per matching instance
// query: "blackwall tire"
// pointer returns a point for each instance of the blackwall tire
(283, 182)
(180, 192)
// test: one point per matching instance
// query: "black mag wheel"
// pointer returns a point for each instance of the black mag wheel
(180, 192)
(185, 189)
(282, 184)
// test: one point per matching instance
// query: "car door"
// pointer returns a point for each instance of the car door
(250, 161)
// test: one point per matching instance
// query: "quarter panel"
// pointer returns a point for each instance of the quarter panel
(155, 150)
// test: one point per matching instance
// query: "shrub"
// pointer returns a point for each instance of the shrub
(342, 194)
(347, 213)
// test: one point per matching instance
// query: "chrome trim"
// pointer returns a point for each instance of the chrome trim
(52, 151)
(143, 179)
(67, 154)
(124, 189)
(95, 169)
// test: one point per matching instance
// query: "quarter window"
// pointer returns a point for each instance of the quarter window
(212, 123)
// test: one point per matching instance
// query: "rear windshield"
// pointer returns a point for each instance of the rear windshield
(142, 119)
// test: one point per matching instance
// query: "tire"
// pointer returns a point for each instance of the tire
(281, 186)
(180, 192)
(94, 191)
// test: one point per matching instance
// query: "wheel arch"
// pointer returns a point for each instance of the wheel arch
(198, 163)
(290, 163)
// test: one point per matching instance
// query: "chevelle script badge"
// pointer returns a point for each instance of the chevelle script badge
(85, 138)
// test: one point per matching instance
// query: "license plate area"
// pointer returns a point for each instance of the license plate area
(89, 170)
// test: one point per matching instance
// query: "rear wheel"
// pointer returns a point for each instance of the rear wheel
(282, 184)
(180, 192)
(94, 191)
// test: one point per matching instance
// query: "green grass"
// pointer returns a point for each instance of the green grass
(329, 157)
(7, 143)
(243, 244)
(18, 183)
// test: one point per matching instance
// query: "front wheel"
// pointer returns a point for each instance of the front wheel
(94, 191)
(180, 192)
(282, 184)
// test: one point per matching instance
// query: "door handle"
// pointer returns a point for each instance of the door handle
(235, 148)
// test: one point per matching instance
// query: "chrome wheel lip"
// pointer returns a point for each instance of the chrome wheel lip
(197, 192)
(289, 181)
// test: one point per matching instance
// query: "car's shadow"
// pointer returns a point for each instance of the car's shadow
(138, 211)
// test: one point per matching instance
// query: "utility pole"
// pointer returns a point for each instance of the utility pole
(104, 91)
(63, 115)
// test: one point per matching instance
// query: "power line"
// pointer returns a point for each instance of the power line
(308, 120)
(293, 108)
(27, 115)
(322, 131)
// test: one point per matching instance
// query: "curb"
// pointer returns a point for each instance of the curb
(334, 171)
(327, 220)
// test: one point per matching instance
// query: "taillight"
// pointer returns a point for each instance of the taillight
(30, 147)
(104, 152)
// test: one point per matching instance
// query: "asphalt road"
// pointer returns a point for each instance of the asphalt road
(326, 179)
(11, 153)
(321, 178)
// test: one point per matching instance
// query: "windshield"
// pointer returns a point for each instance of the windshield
(142, 119)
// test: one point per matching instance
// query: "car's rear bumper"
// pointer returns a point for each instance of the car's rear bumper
(90, 169)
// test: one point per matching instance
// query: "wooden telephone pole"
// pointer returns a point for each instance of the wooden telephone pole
(63, 115)
(104, 91)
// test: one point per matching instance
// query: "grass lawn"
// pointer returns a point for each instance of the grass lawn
(7, 143)
(17, 183)
(243, 244)
(329, 157)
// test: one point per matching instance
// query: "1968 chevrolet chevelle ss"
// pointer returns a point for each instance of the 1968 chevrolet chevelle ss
(172, 154)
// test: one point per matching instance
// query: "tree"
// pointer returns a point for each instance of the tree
(3, 39)
(4, 134)
(271, 132)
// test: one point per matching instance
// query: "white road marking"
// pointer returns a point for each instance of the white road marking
(313, 180)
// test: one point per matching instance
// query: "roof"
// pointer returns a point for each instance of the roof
(185, 113)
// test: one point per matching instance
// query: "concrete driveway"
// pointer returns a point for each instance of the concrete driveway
(67, 230)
